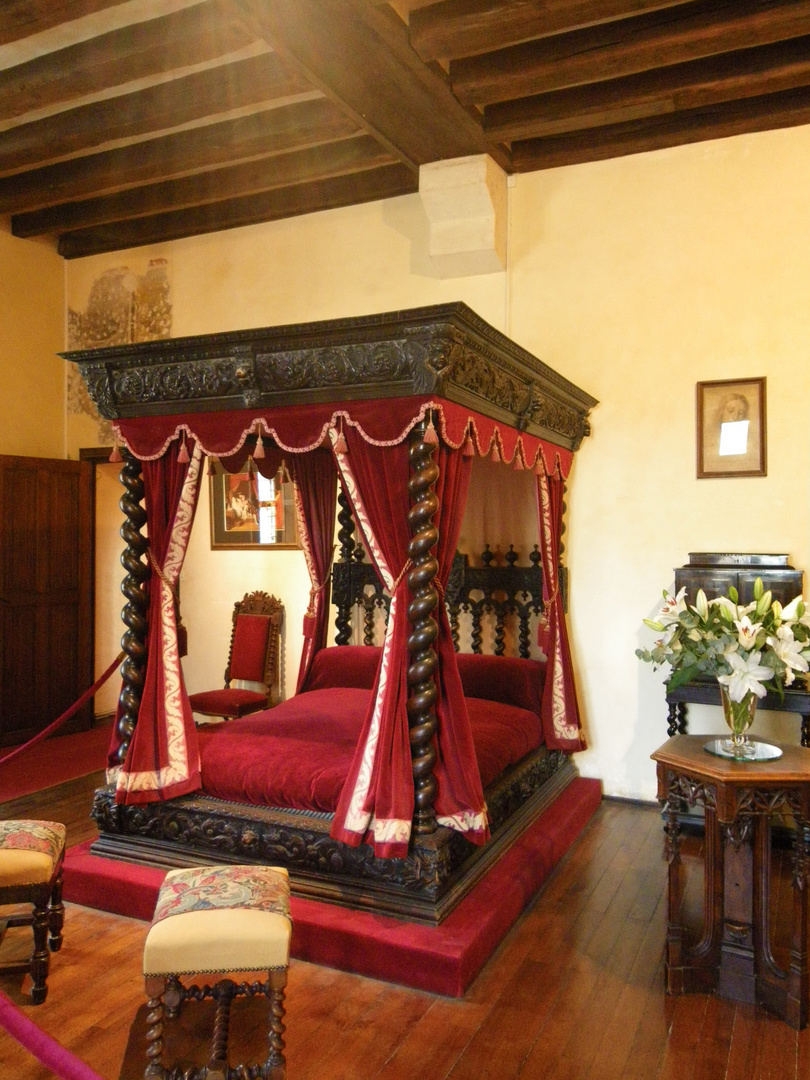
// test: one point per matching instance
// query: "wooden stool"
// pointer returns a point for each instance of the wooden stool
(31, 856)
(218, 919)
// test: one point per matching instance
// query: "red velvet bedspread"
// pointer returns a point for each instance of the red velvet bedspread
(298, 754)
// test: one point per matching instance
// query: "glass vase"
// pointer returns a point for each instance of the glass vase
(739, 715)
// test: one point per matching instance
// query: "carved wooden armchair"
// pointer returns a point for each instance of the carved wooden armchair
(253, 658)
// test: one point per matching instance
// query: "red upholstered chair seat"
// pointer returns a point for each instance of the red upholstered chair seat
(253, 658)
(228, 702)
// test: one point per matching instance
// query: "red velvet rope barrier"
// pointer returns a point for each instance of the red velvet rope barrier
(68, 712)
(46, 1049)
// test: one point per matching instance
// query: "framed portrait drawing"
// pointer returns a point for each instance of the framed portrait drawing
(250, 511)
(731, 428)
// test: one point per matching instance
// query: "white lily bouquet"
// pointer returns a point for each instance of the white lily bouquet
(748, 648)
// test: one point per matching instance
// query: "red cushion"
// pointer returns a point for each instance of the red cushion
(250, 647)
(226, 702)
(353, 666)
(507, 679)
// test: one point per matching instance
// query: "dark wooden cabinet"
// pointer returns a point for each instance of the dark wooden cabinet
(46, 594)
(716, 572)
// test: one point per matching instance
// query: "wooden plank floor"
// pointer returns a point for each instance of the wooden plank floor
(575, 991)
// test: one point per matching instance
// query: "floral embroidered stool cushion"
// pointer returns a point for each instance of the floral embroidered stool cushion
(31, 855)
(218, 919)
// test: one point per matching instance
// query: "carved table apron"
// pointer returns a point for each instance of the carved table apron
(734, 955)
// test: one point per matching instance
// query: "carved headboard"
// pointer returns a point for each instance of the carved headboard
(498, 594)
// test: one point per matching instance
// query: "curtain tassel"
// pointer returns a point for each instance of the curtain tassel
(182, 454)
(469, 446)
(517, 464)
(259, 450)
(430, 438)
(538, 469)
(115, 454)
(340, 446)
(495, 454)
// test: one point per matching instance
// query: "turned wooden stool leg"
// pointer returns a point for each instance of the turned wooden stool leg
(40, 957)
(174, 997)
(155, 986)
(218, 1061)
(275, 1068)
(56, 916)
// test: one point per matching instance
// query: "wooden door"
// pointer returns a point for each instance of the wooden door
(46, 594)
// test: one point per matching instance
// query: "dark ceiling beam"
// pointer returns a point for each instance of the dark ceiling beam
(22, 18)
(191, 36)
(271, 131)
(385, 182)
(787, 109)
(215, 186)
(195, 97)
(731, 76)
(627, 47)
(458, 28)
(359, 56)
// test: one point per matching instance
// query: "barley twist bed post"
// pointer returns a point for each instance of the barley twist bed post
(422, 656)
(134, 613)
(346, 540)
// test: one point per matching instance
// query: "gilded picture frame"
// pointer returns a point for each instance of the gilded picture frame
(250, 512)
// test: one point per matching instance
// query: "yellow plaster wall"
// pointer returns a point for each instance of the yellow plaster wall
(637, 278)
(32, 320)
(634, 278)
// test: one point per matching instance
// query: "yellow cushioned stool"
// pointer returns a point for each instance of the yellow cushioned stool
(31, 856)
(218, 919)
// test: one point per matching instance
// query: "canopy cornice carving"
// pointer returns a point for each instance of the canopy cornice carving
(445, 350)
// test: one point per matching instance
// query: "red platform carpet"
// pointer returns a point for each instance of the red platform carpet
(443, 959)
(53, 761)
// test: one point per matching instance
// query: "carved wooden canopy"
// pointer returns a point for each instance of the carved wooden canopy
(445, 351)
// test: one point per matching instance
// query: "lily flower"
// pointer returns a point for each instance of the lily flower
(747, 674)
(747, 632)
(702, 604)
(789, 651)
(671, 607)
(729, 605)
(794, 611)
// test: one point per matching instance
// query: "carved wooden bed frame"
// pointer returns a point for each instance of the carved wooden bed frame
(449, 353)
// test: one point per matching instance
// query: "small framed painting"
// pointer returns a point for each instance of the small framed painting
(731, 428)
(250, 511)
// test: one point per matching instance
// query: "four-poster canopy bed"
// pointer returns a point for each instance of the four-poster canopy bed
(396, 774)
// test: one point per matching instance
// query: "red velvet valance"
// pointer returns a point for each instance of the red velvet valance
(298, 428)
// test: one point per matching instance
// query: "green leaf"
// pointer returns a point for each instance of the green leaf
(682, 675)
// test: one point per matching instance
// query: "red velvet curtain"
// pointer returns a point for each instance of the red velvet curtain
(315, 480)
(561, 722)
(377, 801)
(163, 759)
(459, 796)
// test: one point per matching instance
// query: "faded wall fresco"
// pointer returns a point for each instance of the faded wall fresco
(123, 307)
